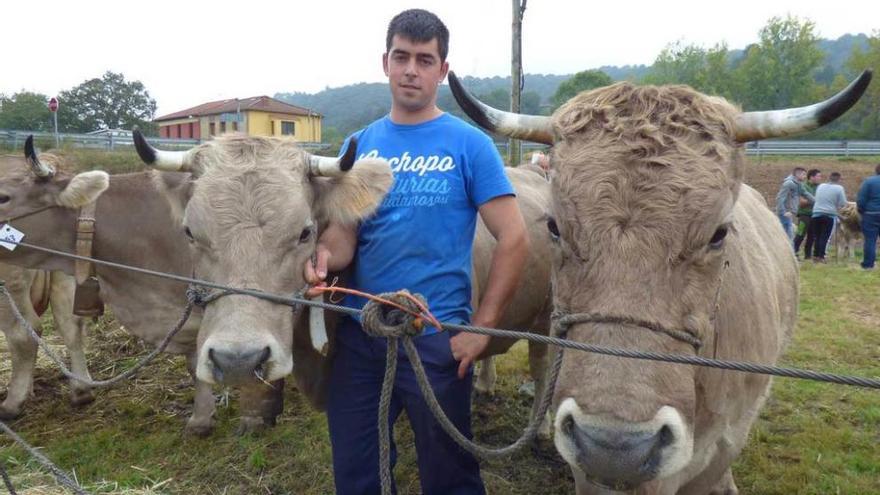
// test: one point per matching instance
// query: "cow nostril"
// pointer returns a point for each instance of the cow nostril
(264, 356)
(568, 425)
(211, 356)
(665, 436)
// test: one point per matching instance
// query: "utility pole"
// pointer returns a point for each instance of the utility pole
(514, 150)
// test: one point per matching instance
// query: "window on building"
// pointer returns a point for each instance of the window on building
(235, 126)
(222, 127)
(287, 128)
(211, 128)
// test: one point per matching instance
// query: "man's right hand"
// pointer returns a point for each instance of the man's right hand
(315, 270)
(788, 214)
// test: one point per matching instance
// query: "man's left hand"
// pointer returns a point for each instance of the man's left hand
(466, 347)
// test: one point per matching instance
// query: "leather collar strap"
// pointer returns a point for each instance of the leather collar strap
(85, 235)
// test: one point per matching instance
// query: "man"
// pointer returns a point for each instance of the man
(420, 239)
(868, 204)
(805, 214)
(830, 198)
(788, 197)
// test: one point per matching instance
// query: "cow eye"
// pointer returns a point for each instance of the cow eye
(4, 199)
(718, 238)
(188, 233)
(306, 234)
(553, 228)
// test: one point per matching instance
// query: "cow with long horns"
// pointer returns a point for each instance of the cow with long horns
(661, 247)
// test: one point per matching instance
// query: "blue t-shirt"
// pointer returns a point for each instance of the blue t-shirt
(421, 236)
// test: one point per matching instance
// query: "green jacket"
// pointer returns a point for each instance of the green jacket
(810, 188)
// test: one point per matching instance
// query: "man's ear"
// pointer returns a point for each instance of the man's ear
(385, 63)
(83, 189)
(177, 189)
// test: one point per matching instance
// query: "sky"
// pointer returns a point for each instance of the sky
(190, 52)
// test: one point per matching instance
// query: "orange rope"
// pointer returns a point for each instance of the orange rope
(425, 313)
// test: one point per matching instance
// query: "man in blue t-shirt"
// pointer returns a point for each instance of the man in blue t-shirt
(445, 173)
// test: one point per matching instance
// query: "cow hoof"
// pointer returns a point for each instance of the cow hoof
(254, 424)
(199, 428)
(79, 398)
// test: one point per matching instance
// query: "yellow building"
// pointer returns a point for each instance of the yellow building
(256, 116)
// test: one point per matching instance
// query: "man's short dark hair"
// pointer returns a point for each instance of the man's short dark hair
(420, 26)
(835, 176)
(813, 172)
(798, 169)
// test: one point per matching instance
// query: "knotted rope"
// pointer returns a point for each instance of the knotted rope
(396, 324)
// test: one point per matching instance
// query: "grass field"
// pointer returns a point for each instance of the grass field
(811, 438)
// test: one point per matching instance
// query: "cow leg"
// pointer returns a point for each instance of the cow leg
(538, 370)
(486, 376)
(22, 348)
(725, 486)
(201, 423)
(260, 405)
(73, 330)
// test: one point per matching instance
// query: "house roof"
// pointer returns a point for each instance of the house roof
(260, 103)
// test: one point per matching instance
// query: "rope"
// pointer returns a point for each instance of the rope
(6, 480)
(59, 474)
(402, 324)
(542, 339)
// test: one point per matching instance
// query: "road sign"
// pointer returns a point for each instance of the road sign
(53, 104)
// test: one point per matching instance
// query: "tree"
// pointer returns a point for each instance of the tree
(779, 71)
(706, 70)
(867, 111)
(109, 102)
(582, 81)
(25, 111)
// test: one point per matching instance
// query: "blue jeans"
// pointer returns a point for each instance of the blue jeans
(787, 226)
(352, 412)
(871, 229)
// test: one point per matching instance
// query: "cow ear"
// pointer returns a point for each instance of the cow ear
(83, 189)
(177, 189)
(354, 195)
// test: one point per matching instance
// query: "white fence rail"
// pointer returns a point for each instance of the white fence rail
(838, 148)
(15, 139)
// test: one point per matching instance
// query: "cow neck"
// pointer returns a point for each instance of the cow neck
(25, 215)
(138, 228)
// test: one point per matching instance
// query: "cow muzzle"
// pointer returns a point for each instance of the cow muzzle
(621, 456)
(234, 365)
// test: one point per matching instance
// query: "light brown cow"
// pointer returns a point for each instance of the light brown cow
(847, 232)
(251, 212)
(135, 226)
(529, 310)
(649, 207)
(28, 288)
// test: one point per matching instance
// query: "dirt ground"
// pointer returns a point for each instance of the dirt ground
(767, 173)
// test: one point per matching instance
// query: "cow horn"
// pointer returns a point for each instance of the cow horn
(325, 166)
(169, 161)
(534, 128)
(752, 126)
(43, 171)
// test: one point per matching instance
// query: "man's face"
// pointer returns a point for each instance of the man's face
(800, 175)
(414, 72)
(816, 179)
